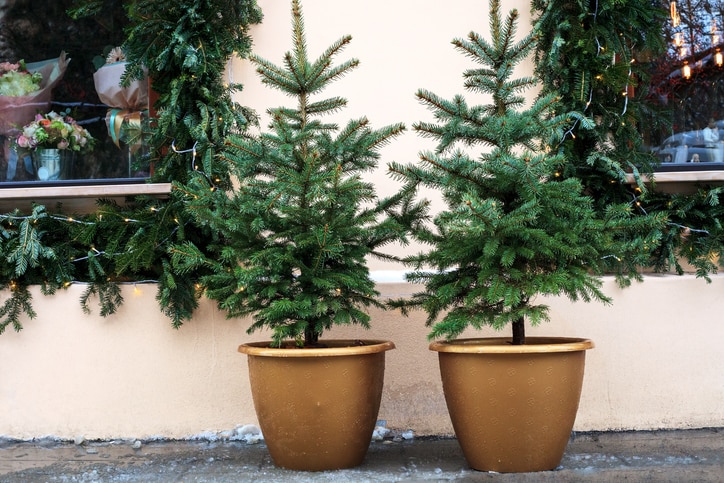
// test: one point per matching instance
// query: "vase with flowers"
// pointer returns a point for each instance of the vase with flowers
(53, 139)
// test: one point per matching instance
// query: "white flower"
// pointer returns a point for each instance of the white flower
(115, 55)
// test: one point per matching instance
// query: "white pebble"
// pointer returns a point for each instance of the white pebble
(247, 429)
(379, 433)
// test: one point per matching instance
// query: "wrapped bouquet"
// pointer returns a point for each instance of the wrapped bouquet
(128, 105)
(25, 90)
(16, 80)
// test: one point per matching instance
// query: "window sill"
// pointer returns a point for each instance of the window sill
(682, 182)
(78, 198)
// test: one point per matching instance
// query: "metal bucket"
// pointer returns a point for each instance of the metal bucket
(53, 164)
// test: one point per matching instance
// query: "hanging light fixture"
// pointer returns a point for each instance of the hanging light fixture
(719, 58)
(686, 71)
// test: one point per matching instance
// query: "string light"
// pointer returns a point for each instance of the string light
(135, 283)
(194, 166)
(192, 151)
(688, 229)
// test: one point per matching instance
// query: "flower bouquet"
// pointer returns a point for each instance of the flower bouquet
(52, 139)
(107, 80)
(55, 131)
(16, 80)
(127, 117)
(25, 89)
(128, 103)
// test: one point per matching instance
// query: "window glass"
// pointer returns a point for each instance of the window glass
(54, 95)
(688, 81)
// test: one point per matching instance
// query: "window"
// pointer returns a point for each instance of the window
(689, 80)
(116, 118)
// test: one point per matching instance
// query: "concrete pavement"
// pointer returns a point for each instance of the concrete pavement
(648, 456)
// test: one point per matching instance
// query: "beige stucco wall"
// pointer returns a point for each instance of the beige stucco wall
(657, 364)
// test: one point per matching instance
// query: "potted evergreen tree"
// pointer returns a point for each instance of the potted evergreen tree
(513, 229)
(293, 242)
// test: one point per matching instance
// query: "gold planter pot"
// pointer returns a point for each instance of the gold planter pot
(512, 406)
(317, 407)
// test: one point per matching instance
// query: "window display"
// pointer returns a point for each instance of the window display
(64, 116)
(689, 80)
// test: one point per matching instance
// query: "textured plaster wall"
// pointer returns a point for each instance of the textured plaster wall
(657, 364)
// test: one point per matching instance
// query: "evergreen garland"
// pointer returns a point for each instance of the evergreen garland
(596, 54)
(185, 45)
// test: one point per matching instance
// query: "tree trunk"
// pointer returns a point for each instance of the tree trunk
(311, 338)
(519, 331)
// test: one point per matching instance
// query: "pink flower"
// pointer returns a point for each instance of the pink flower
(63, 144)
(23, 141)
(8, 67)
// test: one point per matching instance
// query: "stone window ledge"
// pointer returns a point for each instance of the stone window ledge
(684, 182)
(76, 198)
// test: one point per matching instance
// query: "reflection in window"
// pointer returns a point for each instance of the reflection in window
(74, 97)
(689, 81)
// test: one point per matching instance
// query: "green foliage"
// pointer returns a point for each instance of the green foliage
(185, 46)
(295, 234)
(597, 56)
(575, 57)
(514, 227)
(695, 233)
(34, 250)
(113, 245)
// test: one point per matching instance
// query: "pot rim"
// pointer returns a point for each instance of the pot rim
(502, 345)
(336, 347)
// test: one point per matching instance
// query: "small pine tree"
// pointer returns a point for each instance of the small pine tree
(293, 238)
(513, 228)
